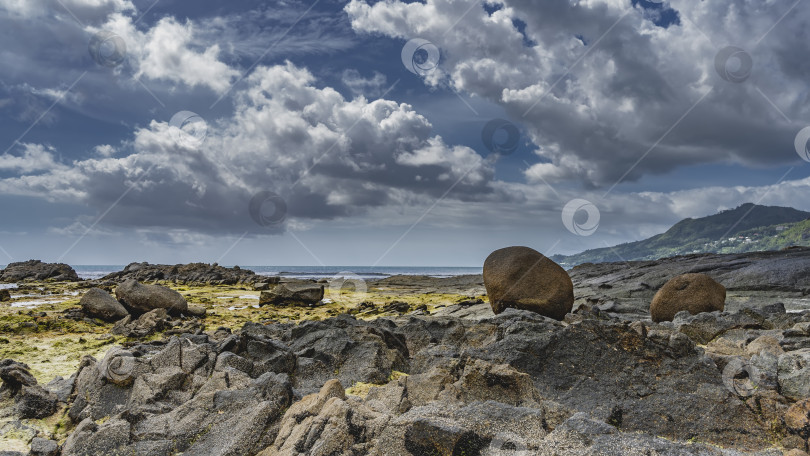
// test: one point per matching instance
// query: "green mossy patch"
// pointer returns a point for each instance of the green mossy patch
(53, 345)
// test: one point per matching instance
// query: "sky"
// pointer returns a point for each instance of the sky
(389, 133)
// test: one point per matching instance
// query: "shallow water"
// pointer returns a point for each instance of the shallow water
(36, 303)
(312, 272)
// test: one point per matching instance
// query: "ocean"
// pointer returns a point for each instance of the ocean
(310, 272)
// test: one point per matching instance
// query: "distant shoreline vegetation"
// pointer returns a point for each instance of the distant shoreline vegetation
(747, 228)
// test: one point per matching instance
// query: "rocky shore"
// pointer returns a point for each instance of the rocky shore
(187, 274)
(37, 271)
(422, 366)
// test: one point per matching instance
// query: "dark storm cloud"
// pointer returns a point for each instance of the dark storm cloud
(604, 83)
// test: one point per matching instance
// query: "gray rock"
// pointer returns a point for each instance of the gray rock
(148, 323)
(239, 433)
(30, 399)
(508, 384)
(191, 274)
(139, 298)
(794, 374)
(228, 359)
(100, 304)
(477, 428)
(62, 387)
(597, 367)
(91, 439)
(704, 327)
(266, 283)
(765, 370)
(35, 270)
(44, 447)
(35, 402)
(196, 311)
(150, 388)
(581, 435)
(102, 387)
(287, 295)
(15, 375)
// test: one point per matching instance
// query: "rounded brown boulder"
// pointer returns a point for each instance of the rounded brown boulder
(523, 278)
(694, 293)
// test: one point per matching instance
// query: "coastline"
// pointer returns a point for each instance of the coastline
(416, 336)
(92, 272)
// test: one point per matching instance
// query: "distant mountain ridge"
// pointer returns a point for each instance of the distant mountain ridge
(729, 231)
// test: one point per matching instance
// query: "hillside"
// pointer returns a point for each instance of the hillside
(730, 231)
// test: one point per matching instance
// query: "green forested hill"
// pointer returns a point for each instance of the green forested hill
(730, 231)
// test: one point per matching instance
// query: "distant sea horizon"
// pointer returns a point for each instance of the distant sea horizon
(95, 271)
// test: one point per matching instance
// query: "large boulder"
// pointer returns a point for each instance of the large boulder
(37, 270)
(523, 278)
(139, 298)
(5, 296)
(694, 293)
(100, 304)
(286, 294)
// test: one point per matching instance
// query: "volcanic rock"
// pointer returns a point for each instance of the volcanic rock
(190, 274)
(44, 447)
(794, 374)
(286, 295)
(522, 278)
(139, 298)
(31, 400)
(514, 383)
(35, 270)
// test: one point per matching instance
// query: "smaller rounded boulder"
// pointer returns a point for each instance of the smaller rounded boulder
(139, 298)
(694, 293)
(523, 278)
(100, 304)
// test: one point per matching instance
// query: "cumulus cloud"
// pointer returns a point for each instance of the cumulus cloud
(326, 156)
(167, 54)
(599, 84)
(370, 87)
(166, 60)
(34, 157)
(596, 84)
(104, 150)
